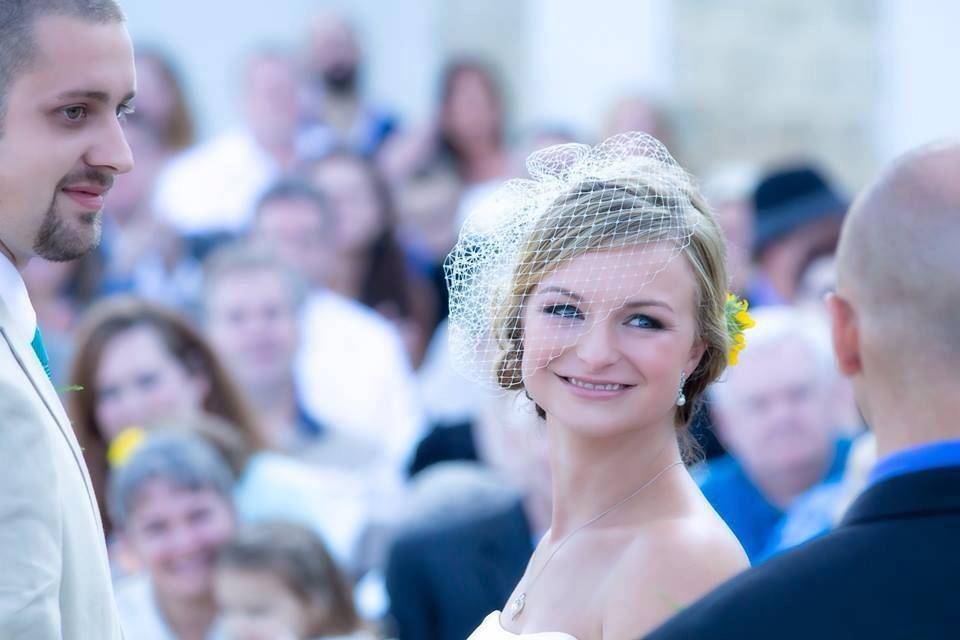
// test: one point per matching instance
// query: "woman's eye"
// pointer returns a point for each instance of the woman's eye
(644, 322)
(568, 311)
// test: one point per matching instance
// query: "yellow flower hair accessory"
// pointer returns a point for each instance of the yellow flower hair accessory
(125, 445)
(738, 320)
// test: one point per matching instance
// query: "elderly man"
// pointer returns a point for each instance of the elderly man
(773, 415)
(890, 569)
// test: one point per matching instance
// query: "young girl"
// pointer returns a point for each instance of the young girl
(598, 288)
(277, 581)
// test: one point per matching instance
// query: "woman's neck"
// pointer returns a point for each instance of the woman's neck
(188, 619)
(592, 474)
(483, 162)
(347, 278)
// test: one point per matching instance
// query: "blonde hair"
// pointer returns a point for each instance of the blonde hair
(616, 214)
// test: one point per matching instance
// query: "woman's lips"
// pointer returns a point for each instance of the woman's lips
(594, 389)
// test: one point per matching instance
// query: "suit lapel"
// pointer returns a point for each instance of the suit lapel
(43, 387)
(930, 492)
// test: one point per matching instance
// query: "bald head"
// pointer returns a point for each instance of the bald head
(899, 253)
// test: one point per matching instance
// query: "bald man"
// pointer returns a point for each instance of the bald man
(892, 567)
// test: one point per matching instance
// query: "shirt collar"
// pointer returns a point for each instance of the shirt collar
(920, 458)
(13, 291)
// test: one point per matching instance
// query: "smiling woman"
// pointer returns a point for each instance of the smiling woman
(172, 503)
(598, 288)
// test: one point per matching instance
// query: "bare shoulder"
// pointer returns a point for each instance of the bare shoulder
(692, 554)
(670, 564)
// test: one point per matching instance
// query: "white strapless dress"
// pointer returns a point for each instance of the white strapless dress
(491, 630)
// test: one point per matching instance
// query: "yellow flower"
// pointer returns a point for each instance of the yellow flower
(125, 445)
(744, 320)
(737, 319)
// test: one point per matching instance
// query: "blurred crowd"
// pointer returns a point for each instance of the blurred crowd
(255, 359)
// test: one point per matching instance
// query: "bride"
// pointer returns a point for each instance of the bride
(598, 287)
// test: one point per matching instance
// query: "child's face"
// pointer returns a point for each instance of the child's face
(256, 605)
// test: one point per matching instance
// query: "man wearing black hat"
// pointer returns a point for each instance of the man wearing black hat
(798, 217)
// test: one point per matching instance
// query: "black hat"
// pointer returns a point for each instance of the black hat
(789, 199)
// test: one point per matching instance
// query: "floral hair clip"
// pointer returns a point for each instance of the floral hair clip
(738, 320)
(124, 446)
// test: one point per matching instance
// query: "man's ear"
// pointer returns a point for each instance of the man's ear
(846, 334)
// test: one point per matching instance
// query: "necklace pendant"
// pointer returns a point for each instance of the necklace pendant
(516, 607)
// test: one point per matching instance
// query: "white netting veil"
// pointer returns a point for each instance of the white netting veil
(623, 206)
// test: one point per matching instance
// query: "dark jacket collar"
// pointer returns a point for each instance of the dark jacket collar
(911, 495)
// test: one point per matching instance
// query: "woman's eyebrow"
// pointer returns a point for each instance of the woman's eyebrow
(646, 302)
(561, 291)
(630, 304)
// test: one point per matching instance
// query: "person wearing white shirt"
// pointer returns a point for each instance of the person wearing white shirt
(214, 187)
(352, 370)
(68, 79)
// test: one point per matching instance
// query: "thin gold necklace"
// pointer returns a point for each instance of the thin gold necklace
(517, 604)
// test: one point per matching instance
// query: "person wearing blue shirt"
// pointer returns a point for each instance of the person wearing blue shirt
(773, 414)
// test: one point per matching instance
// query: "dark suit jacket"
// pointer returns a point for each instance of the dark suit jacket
(891, 570)
(443, 582)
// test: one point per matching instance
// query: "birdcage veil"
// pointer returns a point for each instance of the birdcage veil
(626, 195)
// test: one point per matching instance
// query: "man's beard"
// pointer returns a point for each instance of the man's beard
(340, 79)
(56, 240)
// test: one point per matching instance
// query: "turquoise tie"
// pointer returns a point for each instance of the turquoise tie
(41, 352)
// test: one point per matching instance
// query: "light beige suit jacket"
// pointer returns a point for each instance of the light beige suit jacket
(54, 573)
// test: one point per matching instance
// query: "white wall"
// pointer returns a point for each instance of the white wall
(586, 54)
(919, 93)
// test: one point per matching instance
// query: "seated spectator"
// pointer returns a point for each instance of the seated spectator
(212, 188)
(276, 580)
(339, 116)
(820, 510)
(472, 121)
(161, 100)
(252, 311)
(352, 368)
(427, 192)
(172, 381)
(772, 415)
(251, 305)
(142, 254)
(135, 363)
(729, 190)
(467, 138)
(369, 265)
(171, 503)
(798, 216)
